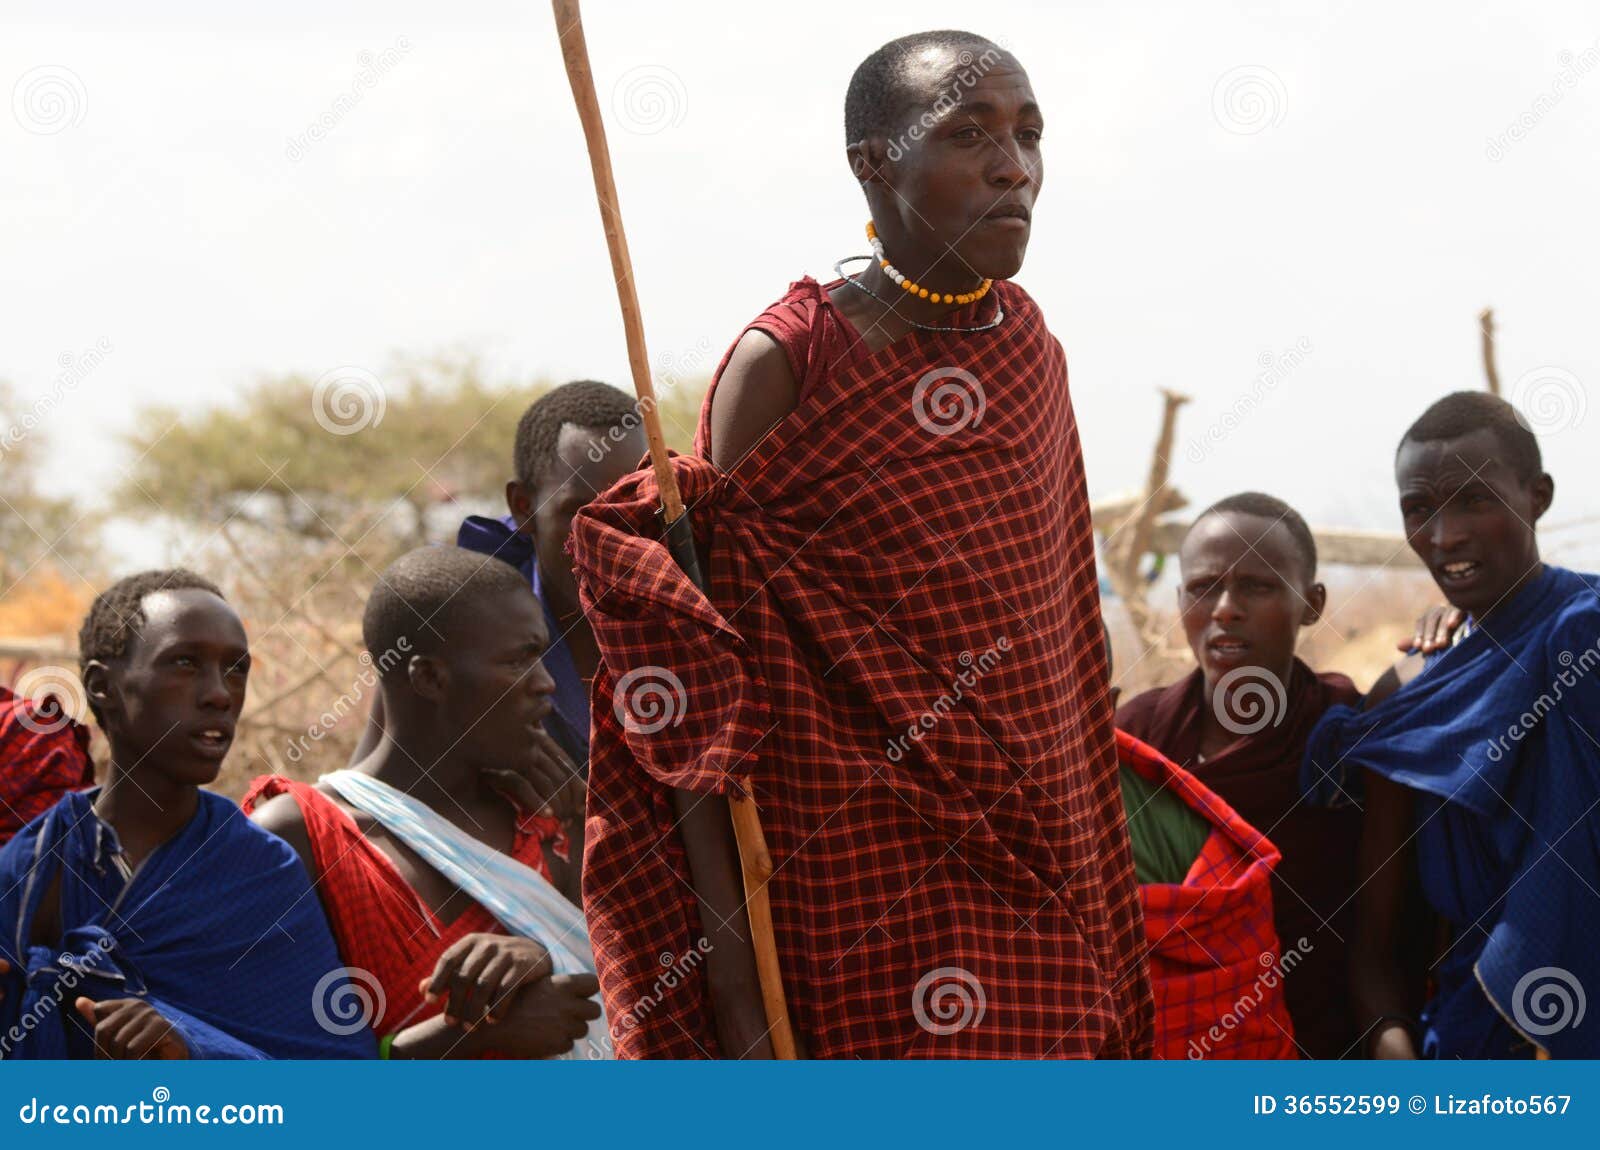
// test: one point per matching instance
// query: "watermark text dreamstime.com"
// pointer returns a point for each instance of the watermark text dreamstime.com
(74, 369)
(158, 1110)
(1274, 970)
(964, 681)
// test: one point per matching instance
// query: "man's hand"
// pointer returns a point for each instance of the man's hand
(482, 974)
(546, 1018)
(545, 783)
(1393, 1040)
(1435, 628)
(130, 1028)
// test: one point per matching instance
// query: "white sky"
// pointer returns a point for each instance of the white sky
(452, 207)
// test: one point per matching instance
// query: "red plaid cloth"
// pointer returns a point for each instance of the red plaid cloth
(901, 657)
(1214, 957)
(43, 755)
(380, 923)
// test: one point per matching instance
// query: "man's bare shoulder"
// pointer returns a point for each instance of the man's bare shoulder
(282, 816)
(755, 392)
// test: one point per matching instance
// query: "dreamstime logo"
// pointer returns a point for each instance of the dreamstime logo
(649, 99)
(347, 400)
(1249, 99)
(1274, 370)
(675, 970)
(49, 99)
(1547, 1000)
(1574, 69)
(1550, 399)
(59, 697)
(947, 400)
(1249, 699)
(948, 1000)
(74, 369)
(374, 66)
(346, 1000)
(1273, 970)
(967, 678)
(648, 699)
(972, 69)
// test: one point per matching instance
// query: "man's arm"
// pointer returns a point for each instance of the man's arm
(1376, 978)
(755, 392)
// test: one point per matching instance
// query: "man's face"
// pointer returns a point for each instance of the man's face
(961, 197)
(1470, 519)
(498, 691)
(171, 702)
(585, 464)
(1245, 595)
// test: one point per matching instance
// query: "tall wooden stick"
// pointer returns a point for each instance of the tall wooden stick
(755, 859)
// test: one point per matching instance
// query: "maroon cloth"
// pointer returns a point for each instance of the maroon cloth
(879, 565)
(1259, 777)
(43, 755)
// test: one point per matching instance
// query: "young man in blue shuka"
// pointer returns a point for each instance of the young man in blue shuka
(1482, 771)
(148, 918)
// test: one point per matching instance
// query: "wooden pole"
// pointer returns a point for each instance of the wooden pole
(1486, 329)
(754, 858)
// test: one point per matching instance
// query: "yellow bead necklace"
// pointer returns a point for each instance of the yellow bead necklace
(917, 289)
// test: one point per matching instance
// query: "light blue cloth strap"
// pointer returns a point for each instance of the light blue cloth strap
(516, 894)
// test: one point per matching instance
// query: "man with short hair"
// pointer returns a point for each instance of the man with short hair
(435, 856)
(1482, 771)
(899, 652)
(148, 918)
(1239, 721)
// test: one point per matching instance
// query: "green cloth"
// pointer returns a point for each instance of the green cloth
(1167, 836)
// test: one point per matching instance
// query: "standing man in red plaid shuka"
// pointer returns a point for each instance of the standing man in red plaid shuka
(900, 652)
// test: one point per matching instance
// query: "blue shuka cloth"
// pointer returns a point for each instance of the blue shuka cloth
(1499, 737)
(568, 723)
(218, 929)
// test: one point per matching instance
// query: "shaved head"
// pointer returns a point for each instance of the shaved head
(907, 72)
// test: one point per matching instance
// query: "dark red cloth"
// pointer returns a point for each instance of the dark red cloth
(380, 923)
(43, 755)
(965, 892)
(1214, 955)
(1259, 776)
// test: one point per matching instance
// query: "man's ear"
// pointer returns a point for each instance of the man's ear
(520, 502)
(97, 686)
(1544, 494)
(1316, 600)
(867, 159)
(429, 678)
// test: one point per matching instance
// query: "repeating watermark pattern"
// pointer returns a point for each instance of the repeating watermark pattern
(1547, 1000)
(1274, 370)
(74, 369)
(649, 99)
(347, 1000)
(675, 970)
(298, 747)
(348, 399)
(59, 697)
(1522, 726)
(1249, 699)
(971, 70)
(1274, 969)
(1549, 399)
(49, 99)
(965, 680)
(947, 400)
(649, 699)
(374, 66)
(947, 1000)
(672, 368)
(75, 968)
(1575, 68)
(1249, 99)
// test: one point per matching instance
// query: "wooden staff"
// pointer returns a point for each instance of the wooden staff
(754, 858)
